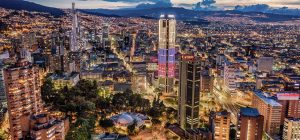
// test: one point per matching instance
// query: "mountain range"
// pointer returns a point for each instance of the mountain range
(192, 15)
(258, 13)
(29, 6)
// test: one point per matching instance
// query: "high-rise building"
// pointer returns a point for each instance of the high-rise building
(22, 87)
(270, 109)
(3, 100)
(291, 129)
(105, 35)
(220, 125)
(59, 60)
(265, 64)
(230, 78)
(250, 124)
(73, 35)
(166, 52)
(189, 92)
(290, 102)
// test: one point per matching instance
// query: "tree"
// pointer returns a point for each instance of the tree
(76, 133)
(232, 134)
(106, 123)
(120, 101)
(157, 108)
(131, 128)
(48, 92)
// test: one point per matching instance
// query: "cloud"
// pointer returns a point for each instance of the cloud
(253, 8)
(133, 1)
(206, 5)
(160, 4)
(264, 8)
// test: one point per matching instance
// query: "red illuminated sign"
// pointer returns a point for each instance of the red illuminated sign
(187, 57)
(288, 96)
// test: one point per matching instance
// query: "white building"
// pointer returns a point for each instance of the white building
(230, 76)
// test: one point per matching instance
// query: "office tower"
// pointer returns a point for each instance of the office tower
(250, 124)
(59, 60)
(290, 102)
(73, 35)
(189, 92)
(166, 52)
(291, 129)
(230, 79)
(220, 125)
(270, 109)
(265, 64)
(22, 87)
(105, 35)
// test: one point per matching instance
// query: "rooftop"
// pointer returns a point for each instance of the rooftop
(166, 16)
(267, 99)
(293, 119)
(251, 112)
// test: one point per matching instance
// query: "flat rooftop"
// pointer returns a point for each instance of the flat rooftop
(266, 99)
(251, 112)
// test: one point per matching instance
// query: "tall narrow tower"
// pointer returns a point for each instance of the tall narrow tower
(73, 39)
(189, 92)
(166, 53)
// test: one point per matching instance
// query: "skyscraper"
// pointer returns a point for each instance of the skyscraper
(250, 124)
(73, 35)
(22, 86)
(189, 92)
(220, 125)
(105, 35)
(166, 52)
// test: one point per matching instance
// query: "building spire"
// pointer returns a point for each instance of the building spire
(73, 44)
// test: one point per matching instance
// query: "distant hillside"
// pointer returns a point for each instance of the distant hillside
(29, 6)
(192, 15)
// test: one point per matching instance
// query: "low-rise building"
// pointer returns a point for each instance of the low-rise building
(62, 80)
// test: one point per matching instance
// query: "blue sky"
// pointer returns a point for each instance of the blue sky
(114, 4)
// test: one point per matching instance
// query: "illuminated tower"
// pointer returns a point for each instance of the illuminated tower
(166, 52)
(73, 36)
(22, 88)
(189, 92)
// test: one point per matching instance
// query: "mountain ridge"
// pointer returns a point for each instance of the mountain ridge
(30, 6)
(191, 15)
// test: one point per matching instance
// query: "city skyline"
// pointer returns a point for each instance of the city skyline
(118, 4)
(150, 72)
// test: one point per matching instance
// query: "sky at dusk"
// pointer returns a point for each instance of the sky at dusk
(114, 4)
